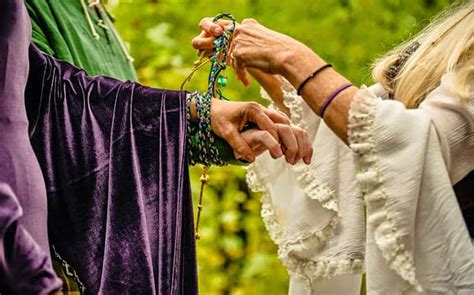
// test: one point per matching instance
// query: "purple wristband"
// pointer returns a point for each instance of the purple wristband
(331, 97)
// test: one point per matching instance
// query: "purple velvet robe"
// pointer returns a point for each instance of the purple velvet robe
(113, 157)
(25, 265)
(114, 161)
(25, 268)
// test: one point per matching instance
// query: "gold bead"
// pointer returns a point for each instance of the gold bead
(204, 178)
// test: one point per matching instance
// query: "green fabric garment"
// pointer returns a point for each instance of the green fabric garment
(61, 29)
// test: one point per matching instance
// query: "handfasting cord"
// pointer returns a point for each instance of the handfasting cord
(201, 145)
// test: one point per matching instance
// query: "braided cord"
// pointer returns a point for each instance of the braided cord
(203, 148)
(201, 144)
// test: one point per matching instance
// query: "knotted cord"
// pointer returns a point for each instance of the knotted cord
(216, 82)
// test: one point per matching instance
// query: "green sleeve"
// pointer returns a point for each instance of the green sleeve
(37, 35)
(225, 151)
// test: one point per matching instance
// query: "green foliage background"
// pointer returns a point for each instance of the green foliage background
(235, 255)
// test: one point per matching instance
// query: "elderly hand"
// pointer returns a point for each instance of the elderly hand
(254, 46)
(296, 144)
(261, 50)
(204, 42)
(228, 120)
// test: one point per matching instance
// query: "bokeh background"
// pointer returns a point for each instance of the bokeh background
(236, 255)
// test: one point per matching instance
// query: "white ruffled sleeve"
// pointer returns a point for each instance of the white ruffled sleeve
(407, 161)
(313, 213)
(403, 164)
(453, 120)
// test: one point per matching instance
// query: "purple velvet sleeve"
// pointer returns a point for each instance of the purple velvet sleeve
(24, 266)
(114, 161)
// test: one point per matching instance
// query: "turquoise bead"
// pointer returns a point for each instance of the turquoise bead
(222, 81)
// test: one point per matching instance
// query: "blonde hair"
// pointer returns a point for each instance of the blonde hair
(446, 45)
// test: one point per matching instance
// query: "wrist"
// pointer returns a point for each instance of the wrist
(299, 64)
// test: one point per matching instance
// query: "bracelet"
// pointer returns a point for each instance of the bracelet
(313, 74)
(201, 144)
(331, 97)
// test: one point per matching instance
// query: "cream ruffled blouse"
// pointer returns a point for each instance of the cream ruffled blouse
(384, 205)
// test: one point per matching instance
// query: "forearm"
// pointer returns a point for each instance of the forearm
(272, 85)
(298, 66)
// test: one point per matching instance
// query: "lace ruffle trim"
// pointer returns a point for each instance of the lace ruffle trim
(361, 140)
(305, 177)
(325, 269)
(306, 269)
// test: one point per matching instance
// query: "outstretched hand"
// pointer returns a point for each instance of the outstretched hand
(273, 132)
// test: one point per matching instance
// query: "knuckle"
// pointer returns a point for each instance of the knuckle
(292, 150)
(249, 21)
(226, 133)
(238, 53)
(284, 128)
(298, 132)
(195, 42)
(204, 21)
(241, 150)
(253, 106)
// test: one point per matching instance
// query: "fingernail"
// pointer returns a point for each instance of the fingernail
(293, 161)
(217, 30)
(279, 153)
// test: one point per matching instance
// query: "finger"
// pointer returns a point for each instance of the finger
(249, 21)
(241, 73)
(309, 150)
(241, 149)
(278, 117)
(260, 140)
(239, 65)
(203, 41)
(256, 115)
(231, 61)
(225, 23)
(301, 136)
(213, 29)
(288, 140)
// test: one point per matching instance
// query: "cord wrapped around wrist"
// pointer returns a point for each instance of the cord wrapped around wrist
(202, 148)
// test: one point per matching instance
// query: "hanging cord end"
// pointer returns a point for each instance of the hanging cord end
(205, 151)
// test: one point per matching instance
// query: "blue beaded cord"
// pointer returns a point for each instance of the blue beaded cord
(205, 150)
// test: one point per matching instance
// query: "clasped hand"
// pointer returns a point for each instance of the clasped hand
(272, 132)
